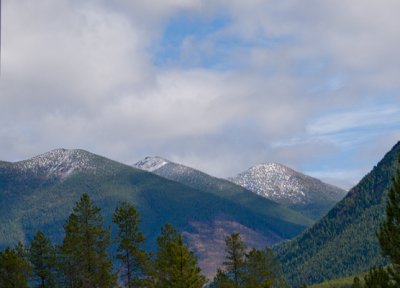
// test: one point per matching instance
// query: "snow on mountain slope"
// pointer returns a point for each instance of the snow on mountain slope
(170, 170)
(58, 163)
(151, 163)
(284, 185)
(276, 182)
(221, 187)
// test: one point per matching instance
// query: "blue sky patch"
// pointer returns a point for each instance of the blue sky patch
(192, 41)
(169, 49)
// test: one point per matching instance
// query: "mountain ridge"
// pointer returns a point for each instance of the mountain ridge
(57, 163)
(305, 194)
(314, 208)
(265, 179)
(200, 180)
(346, 236)
(40, 193)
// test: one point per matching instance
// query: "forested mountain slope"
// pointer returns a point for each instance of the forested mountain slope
(40, 193)
(344, 242)
(204, 182)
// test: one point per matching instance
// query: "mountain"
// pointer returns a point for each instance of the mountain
(40, 193)
(344, 242)
(300, 192)
(202, 181)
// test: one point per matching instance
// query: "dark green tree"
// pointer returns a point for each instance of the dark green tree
(389, 232)
(378, 278)
(235, 257)
(22, 251)
(256, 272)
(14, 270)
(262, 270)
(42, 255)
(255, 269)
(135, 261)
(176, 266)
(221, 280)
(84, 257)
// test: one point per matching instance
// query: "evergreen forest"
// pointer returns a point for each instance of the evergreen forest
(85, 258)
(358, 239)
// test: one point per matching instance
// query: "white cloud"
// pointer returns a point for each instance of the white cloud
(355, 119)
(81, 74)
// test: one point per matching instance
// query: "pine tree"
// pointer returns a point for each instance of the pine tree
(389, 233)
(255, 269)
(135, 261)
(378, 278)
(14, 270)
(176, 266)
(221, 280)
(22, 251)
(262, 270)
(42, 255)
(84, 250)
(235, 257)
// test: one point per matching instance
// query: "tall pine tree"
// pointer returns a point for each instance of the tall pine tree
(255, 269)
(176, 266)
(389, 233)
(84, 250)
(235, 257)
(135, 261)
(14, 270)
(42, 255)
(258, 269)
(262, 269)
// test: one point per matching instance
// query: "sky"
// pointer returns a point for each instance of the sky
(217, 85)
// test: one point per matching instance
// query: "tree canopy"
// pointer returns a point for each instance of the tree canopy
(84, 250)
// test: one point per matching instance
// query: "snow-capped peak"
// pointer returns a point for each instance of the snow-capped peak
(271, 168)
(151, 163)
(58, 163)
(272, 180)
(283, 184)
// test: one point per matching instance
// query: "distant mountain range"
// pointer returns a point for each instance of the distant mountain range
(344, 242)
(276, 182)
(40, 193)
(300, 192)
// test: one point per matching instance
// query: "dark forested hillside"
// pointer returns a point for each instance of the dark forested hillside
(344, 242)
(39, 194)
(221, 187)
(304, 194)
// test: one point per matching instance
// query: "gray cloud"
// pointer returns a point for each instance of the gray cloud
(81, 74)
